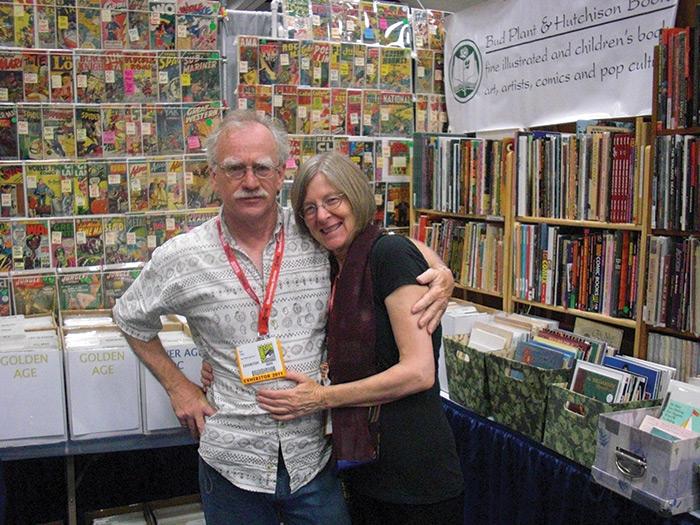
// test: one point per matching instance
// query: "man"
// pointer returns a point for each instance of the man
(246, 275)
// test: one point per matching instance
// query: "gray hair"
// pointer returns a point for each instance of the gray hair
(241, 118)
(345, 176)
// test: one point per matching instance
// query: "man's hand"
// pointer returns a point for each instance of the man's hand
(303, 399)
(191, 407)
(206, 375)
(434, 303)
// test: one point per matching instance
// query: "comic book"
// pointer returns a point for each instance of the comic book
(423, 81)
(11, 190)
(30, 245)
(199, 187)
(81, 189)
(396, 160)
(361, 152)
(198, 123)
(439, 75)
(394, 29)
(268, 60)
(63, 243)
(292, 164)
(197, 7)
(436, 29)
(320, 64)
(115, 283)
(34, 294)
(5, 246)
(197, 32)
(437, 115)
(67, 27)
(307, 149)
(116, 249)
(89, 28)
(380, 201)
(117, 188)
(175, 224)
(24, 25)
(136, 234)
(346, 25)
(114, 78)
(247, 60)
(8, 133)
(97, 187)
(200, 77)
(320, 19)
(324, 144)
(61, 77)
(80, 291)
(149, 136)
(113, 131)
(359, 66)
(297, 19)
(246, 95)
(397, 114)
(138, 185)
(175, 184)
(31, 146)
(11, 88)
(422, 123)
(43, 190)
(111, 4)
(306, 51)
(334, 65)
(353, 118)
(5, 304)
(156, 232)
(372, 67)
(370, 112)
(284, 101)
(339, 107)
(132, 129)
(347, 58)
(88, 131)
(90, 78)
(397, 208)
(169, 88)
(114, 29)
(64, 205)
(421, 37)
(369, 22)
(169, 130)
(396, 70)
(287, 71)
(263, 100)
(35, 68)
(89, 243)
(140, 78)
(162, 25)
(198, 218)
(320, 111)
(137, 5)
(157, 185)
(7, 25)
(137, 35)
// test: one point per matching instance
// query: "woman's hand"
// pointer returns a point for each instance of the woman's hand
(303, 399)
(433, 304)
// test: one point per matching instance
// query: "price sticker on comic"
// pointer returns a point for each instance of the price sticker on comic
(19, 11)
(354, 119)
(350, 24)
(169, 223)
(385, 114)
(56, 81)
(335, 33)
(335, 120)
(44, 25)
(172, 178)
(367, 157)
(110, 238)
(31, 78)
(4, 94)
(133, 34)
(185, 80)
(17, 252)
(145, 128)
(390, 207)
(181, 31)
(335, 75)
(189, 178)
(261, 361)
(315, 115)
(114, 179)
(163, 77)
(419, 41)
(62, 21)
(94, 191)
(23, 127)
(48, 132)
(81, 81)
(302, 112)
(432, 29)
(443, 117)
(359, 61)
(81, 134)
(421, 72)
(66, 186)
(398, 162)
(109, 76)
(284, 59)
(151, 241)
(243, 66)
(242, 103)
(56, 237)
(317, 73)
(367, 120)
(378, 199)
(79, 200)
(305, 63)
(370, 70)
(130, 238)
(438, 74)
(154, 18)
(107, 15)
(80, 237)
(316, 20)
(6, 200)
(277, 101)
(131, 128)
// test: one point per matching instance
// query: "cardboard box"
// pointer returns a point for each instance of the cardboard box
(659, 474)
(573, 434)
(466, 375)
(135, 514)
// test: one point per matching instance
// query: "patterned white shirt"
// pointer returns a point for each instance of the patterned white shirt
(191, 275)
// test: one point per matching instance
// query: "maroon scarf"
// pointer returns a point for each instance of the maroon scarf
(351, 355)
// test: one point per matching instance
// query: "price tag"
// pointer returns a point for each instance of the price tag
(438, 74)
(367, 156)
(6, 200)
(399, 162)
(145, 128)
(31, 78)
(316, 20)
(172, 178)
(130, 238)
(243, 66)
(334, 75)
(335, 120)
(81, 134)
(80, 237)
(81, 81)
(419, 41)
(114, 179)
(136, 185)
(17, 252)
(305, 63)
(370, 70)
(317, 73)
(56, 80)
(390, 207)
(354, 118)
(23, 127)
(351, 26)
(385, 114)
(315, 115)
(109, 76)
(94, 191)
(163, 77)
(48, 132)
(189, 178)
(80, 200)
(443, 117)
(284, 59)
(4, 94)
(106, 15)
(66, 185)
(133, 34)
(169, 224)
(420, 115)
(151, 241)
(193, 142)
(181, 31)
(242, 103)
(44, 25)
(378, 199)
(420, 72)
(110, 238)
(18, 11)
(359, 61)
(261, 361)
(367, 120)
(62, 21)
(131, 128)
(302, 112)
(154, 18)
(335, 33)
(277, 101)
(185, 80)
(56, 237)
(432, 29)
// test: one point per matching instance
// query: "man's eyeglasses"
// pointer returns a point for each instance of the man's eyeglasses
(238, 171)
(330, 203)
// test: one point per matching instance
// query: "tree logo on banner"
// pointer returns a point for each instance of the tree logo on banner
(465, 70)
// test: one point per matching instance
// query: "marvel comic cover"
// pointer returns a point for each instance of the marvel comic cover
(67, 27)
(46, 26)
(88, 131)
(436, 29)
(175, 224)
(246, 96)
(197, 32)
(36, 77)
(11, 88)
(320, 64)
(113, 131)
(397, 208)
(30, 245)
(372, 67)
(175, 184)
(334, 65)
(320, 19)
(61, 77)
(263, 100)
(304, 100)
(138, 185)
(339, 107)
(156, 232)
(5, 246)
(63, 243)
(81, 190)
(43, 190)
(132, 130)
(169, 130)
(394, 29)
(369, 22)
(397, 156)
(421, 37)
(34, 294)
(138, 36)
(439, 75)
(136, 238)
(353, 120)
(140, 78)
(346, 25)
(292, 164)
(157, 185)
(370, 112)
(31, 145)
(297, 18)
(247, 60)
(89, 28)
(169, 77)
(117, 188)
(198, 218)
(162, 25)
(422, 123)
(24, 25)
(361, 152)
(199, 188)
(116, 249)
(424, 71)
(380, 202)
(395, 70)
(198, 123)
(359, 66)
(397, 114)
(306, 51)
(7, 26)
(114, 29)
(11, 190)
(268, 60)
(89, 244)
(80, 291)
(149, 137)
(115, 283)
(200, 77)
(8, 133)
(320, 111)
(284, 101)
(114, 78)
(287, 71)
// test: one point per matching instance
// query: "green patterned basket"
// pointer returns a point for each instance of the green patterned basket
(466, 374)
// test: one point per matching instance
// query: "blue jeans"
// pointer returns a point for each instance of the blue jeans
(319, 502)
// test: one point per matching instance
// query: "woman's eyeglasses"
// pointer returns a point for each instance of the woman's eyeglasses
(330, 203)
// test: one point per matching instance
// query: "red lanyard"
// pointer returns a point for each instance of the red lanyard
(266, 307)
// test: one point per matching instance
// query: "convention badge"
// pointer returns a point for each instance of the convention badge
(261, 361)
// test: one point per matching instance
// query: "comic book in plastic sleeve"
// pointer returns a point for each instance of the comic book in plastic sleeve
(197, 7)
(292, 164)
(175, 184)
(113, 131)
(169, 130)
(149, 136)
(175, 224)
(80, 291)
(8, 133)
(306, 51)
(132, 128)
(7, 26)
(341, 145)
(436, 29)
(11, 190)
(45, 19)
(30, 245)
(66, 173)
(61, 77)
(395, 71)
(67, 27)
(197, 32)
(334, 65)
(392, 21)
(320, 19)
(156, 232)
(246, 95)
(97, 187)
(361, 152)
(346, 25)
(370, 112)
(359, 66)
(353, 119)
(88, 131)
(89, 28)
(35, 67)
(297, 19)
(34, 294)
(89, 242)
(200, 79)
(423, 81)
(24, 24)
(162, 27)
(114, 29)
(307, 148)
(370, 31)
(197, 218)
(263, 100)
(396, 209)
(117, 188)
(320, 64)
(138, 185)
(439, 74)
(5, 298)
(31, 145)
(288, 66)
(81, 199)
(136, 238)
(11, 85)
(58, 132)
(284, 105)
(339, 107)
(397, 160)
(137, 5)
(140, 77)
(115, 283)
(90, 78)
(372, 67)
(43, 188)
(169, 88)
(347, 58)
(397, 114)
(320, 111)
(438, 113)
(5, 246)
(63, 243)
(114, 78)
(421, 37)
(198, 185)
(108, 4)
(422, 123)
(116, 250)
(199, 122)
(324, 144)
(380, 203)
(137, 35)
(247, 60)
(268, 60)
(157, 185)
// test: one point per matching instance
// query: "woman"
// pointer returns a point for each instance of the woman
(387, 417)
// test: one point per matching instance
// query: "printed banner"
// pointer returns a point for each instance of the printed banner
(519, 63)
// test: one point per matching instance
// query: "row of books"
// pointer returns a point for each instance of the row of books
(588, 177)
(91, 241)
(461, 175)
(369, 22)
(43, 132)
(675, 194)
(593, 270)
(311, 63)
(673, 291)
(111, 24)
(114, 77)
(682, 354)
